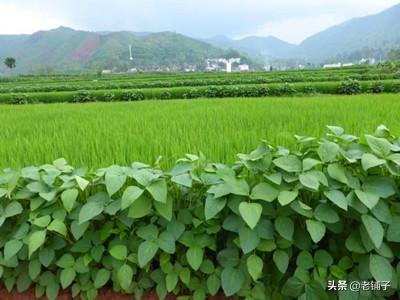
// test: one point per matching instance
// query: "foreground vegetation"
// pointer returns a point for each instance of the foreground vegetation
(100, 134)
(274, 224)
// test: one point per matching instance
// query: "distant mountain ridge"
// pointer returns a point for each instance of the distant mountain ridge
(69, 50)
(366, 35)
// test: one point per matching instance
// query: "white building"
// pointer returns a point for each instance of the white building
(330, 66)
(244, 68)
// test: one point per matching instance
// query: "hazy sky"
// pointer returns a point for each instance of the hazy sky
(291, 20)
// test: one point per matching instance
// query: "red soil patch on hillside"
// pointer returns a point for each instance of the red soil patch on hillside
(86, 49)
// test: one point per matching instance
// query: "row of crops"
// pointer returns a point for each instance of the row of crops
(348, 87)
(277, 224)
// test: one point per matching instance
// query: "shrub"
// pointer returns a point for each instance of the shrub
(192, 94)
(309, 90)
(19, 99)
(376, 88)
(82, 97)
(132, 96)
(166, 95)
(350, 87)
(109, 97)
(277, 224)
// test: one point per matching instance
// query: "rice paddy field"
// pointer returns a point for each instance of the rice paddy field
(101, 134)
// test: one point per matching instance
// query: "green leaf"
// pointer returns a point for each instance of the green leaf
(285, 227)
(114, 180)
(328, 151)
(281, 260)
(325, 213)
(171, 280)
(11, 248)
(131, 194)
(165, 209)
(183, 179)
(379, 146)
(232, 281)
(146, 251)
(58, 226)
(316, 230)
(288, 163)
(82, 183)
(374, 229)
(102, 277)
(251, 213)
(369, 161)
(310, 163)
(338, 198)
(249, 239)
(338, 173)
(158, 190)
(140, 208)
(42, 221)
(213, 206)
(78, 230)
(125, 276)
(34, 268)
(264, 191)
(68, 198)
(166, 242)
(305, 260)
(119, 252)
(194, 257)
(36, 240)
(309, 180)
(90, 210)
(370, 200)
(380, 268)
(67, 277)
(66, 261)
(255, 266)
(287, 197)
(213, 284)
(14, 208)
(323, 259)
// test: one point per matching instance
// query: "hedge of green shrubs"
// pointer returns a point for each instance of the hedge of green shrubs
(348, 87)
(277, 224)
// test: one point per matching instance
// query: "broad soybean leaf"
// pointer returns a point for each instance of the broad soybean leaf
(131, 194)
(288, 163)
(255, 266)
(309, 180)
(36, 240)
(287, 197)
(140, 208)
(305, 260)
(310, 163)
(316, 230)
(328, 151)
(213, 284)
(380, 268)
(323, 259)
(125, 276)
(58, 226)
(78, 230)
(114, 179)
(338, 198)
(171, 280)
(119, 252)
(325, 213)
(183, 179)
(213, 206)
(383, 187)
(285, 227)
(67, 276)
(90, 210)
(146, 251)
(194, 256)
(374, 229)
(102, 277)
(232, 280)
(379, 146)
(82, 183)
(251, 213)
(158, 190)
(166, 242)
(370, 200)
(249, 239)
(68, 198)
(393, 232)
(34, 268)
(12, 209)
(281, 260)
(165, 209)
(338, 172)
(264, 191)
(369, 161)
(11, 248)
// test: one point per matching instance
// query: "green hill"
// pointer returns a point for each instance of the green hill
(68, 50)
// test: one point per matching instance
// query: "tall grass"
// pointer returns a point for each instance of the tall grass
(100, 134)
